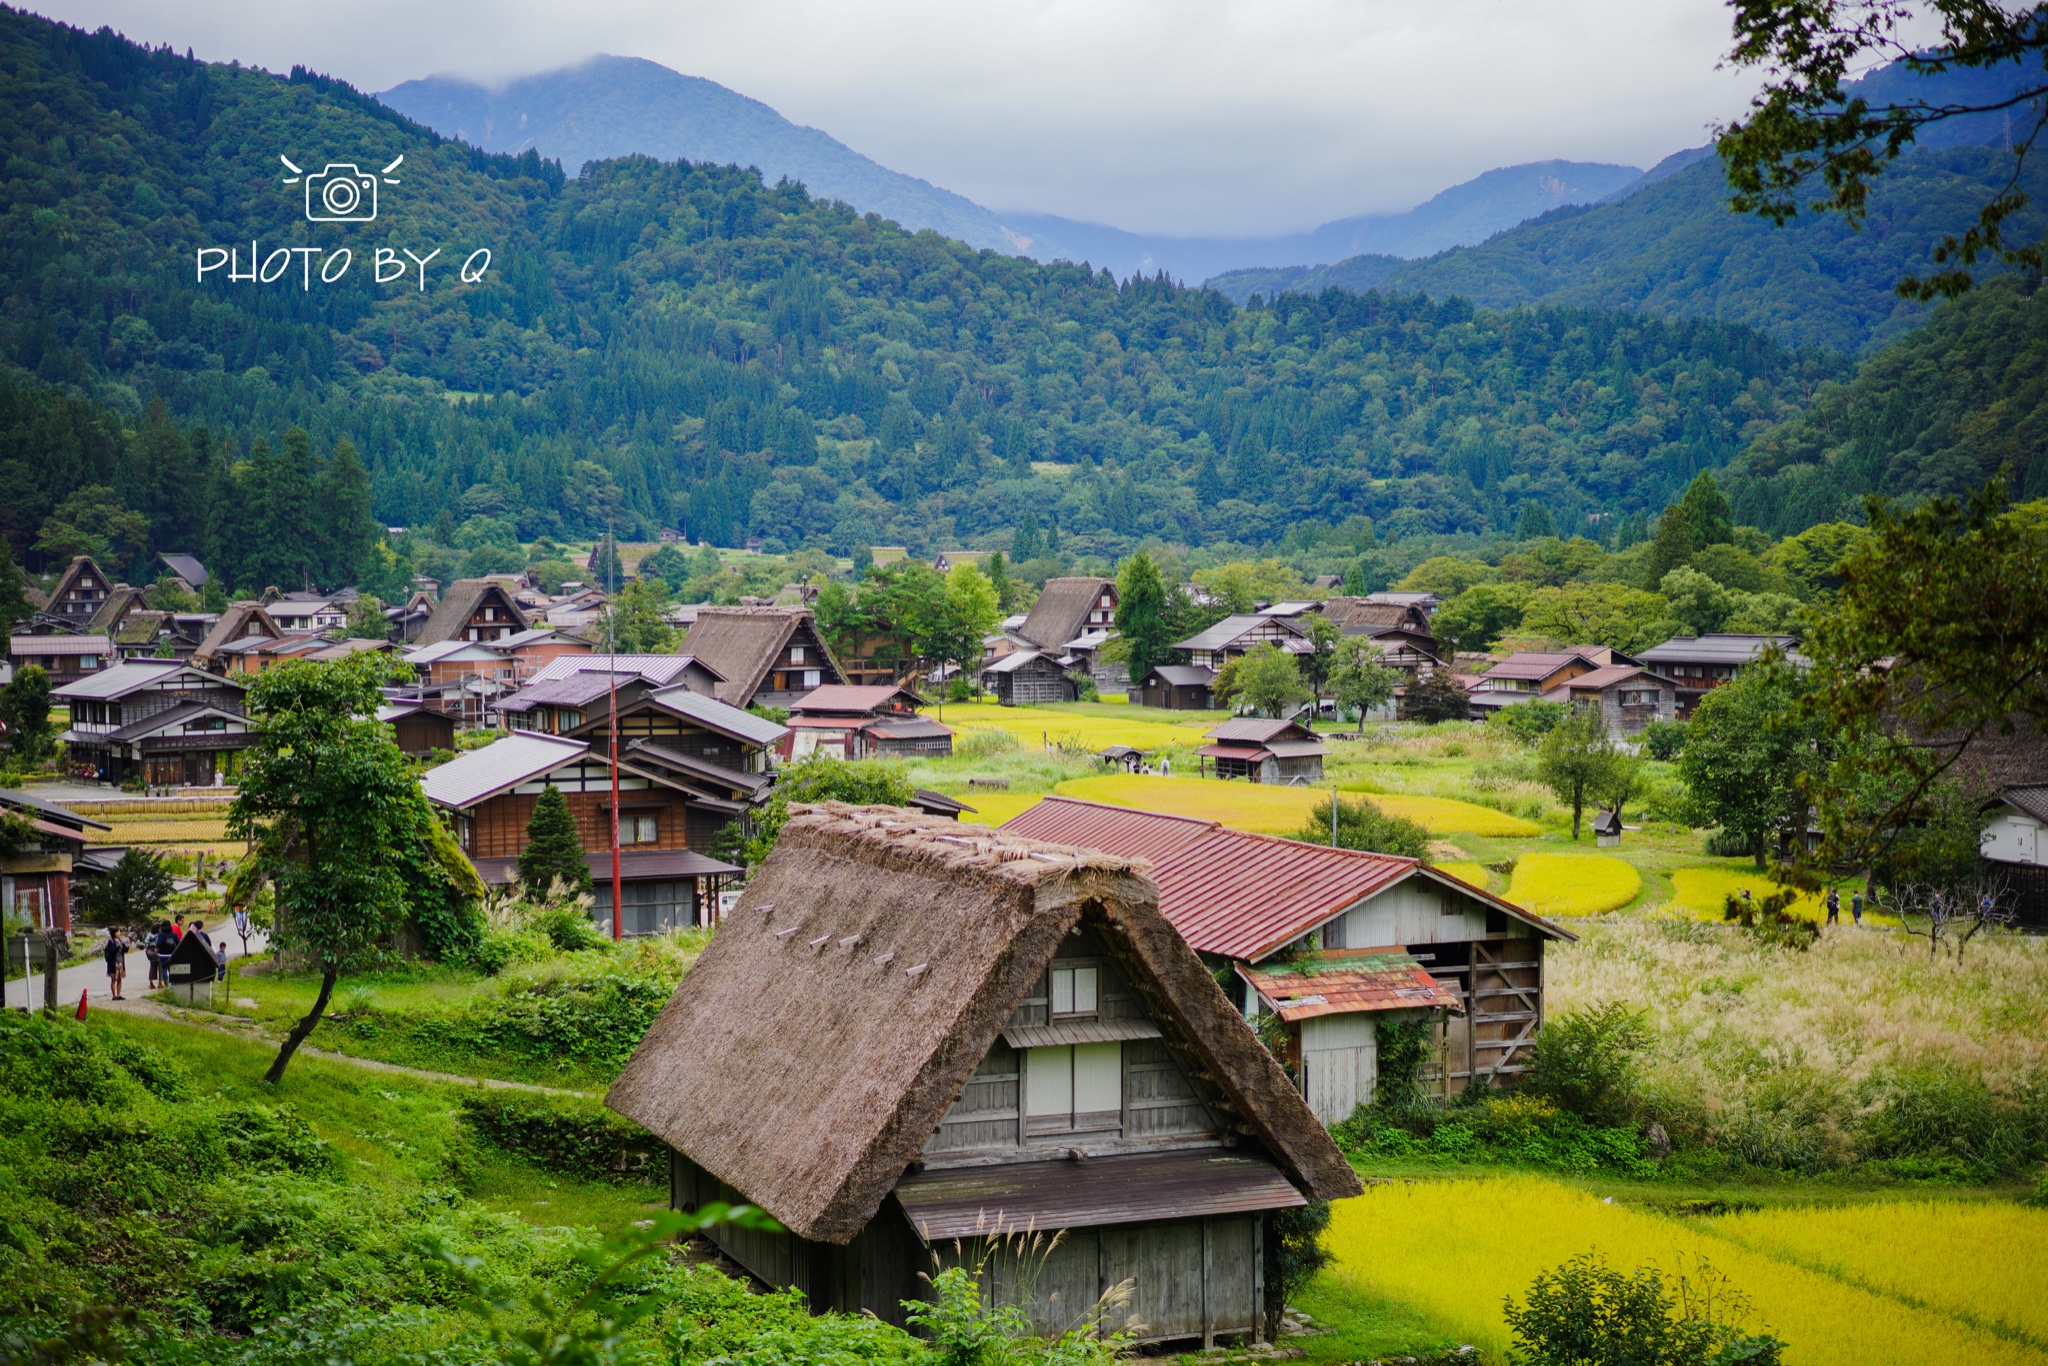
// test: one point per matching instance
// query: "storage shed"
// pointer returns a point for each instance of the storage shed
(1028, 676)
(909, 1035)
(1264, 751)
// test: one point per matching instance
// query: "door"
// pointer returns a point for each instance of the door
(1339, 1064)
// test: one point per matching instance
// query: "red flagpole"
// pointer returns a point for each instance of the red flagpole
(611, 645)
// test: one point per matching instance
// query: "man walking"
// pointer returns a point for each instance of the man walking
(1856, 909)
(116, 952)
(1834, 906)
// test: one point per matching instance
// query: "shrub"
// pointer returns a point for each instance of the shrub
(1362, 825)
(567, 925)
(1586, 1062)
(1664, 740)
(1439, 697)
(1586, 1313)
(497, 949)
(1404, 1046)
(1527, 722)
(1766, 921)
(565, 1134)
(1295, 1253)
(1727, 844)
(985, 743)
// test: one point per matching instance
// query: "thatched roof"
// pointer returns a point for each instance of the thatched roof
(241, 619)
(743, 643)
(1061, 612)
(452, 613)
(814, 1048)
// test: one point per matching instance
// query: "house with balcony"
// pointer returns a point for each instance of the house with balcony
(1697, 665)
(164, 721)
(765, 656)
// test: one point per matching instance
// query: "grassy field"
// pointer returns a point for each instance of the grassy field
(1451, 1252)
(1573, 884)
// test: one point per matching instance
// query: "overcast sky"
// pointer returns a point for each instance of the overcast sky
(1170, 116)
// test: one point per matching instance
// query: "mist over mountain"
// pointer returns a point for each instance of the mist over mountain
(620, 106)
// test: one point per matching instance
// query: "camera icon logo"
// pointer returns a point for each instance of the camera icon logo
(341, 193)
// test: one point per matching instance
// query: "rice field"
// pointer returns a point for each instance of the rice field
(1474, 873)
(1932, 1253)
(1456, 1250)
(1573, 884)
(1036, 727)
(993, 808)
(181, 833)
(1447, 816)
(1268, 810)
(1702, 893)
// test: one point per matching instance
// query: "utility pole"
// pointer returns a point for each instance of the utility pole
(611, 645)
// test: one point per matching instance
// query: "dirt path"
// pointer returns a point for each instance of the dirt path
(201, 1019)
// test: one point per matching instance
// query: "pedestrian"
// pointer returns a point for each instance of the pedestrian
(198, 927)
(1165, 768)
(166, 945)
(1856, 909)
(1834, 907)
(220, 960)
(178, 926)
(116, 952)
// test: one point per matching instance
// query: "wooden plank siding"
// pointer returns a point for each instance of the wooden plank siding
(498, 826)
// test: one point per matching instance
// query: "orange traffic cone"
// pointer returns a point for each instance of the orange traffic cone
(81, 1002)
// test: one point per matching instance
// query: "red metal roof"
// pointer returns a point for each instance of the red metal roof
(848, 697)
(1348, 984)
(1112, 829)
(1235, 751)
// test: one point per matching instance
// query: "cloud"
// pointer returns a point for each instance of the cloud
(1169, 116)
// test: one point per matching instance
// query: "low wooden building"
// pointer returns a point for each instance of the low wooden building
(1265, 751)
(1235, 636)
(1029, 676)
(863, 723)
(419, 729)
(1624, 696)
(36, 877)
(66, 658)
(1178, 687)
(2015, 845)
(765, 656)
(909, 1036)
(1700, 664)
(1334, 941)
(168, 723)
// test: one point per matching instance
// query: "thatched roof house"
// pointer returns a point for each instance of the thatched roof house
(474, 609)
(763, 655)
(909, 1033)
(1068, 609)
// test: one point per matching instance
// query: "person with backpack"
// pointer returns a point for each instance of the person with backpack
(1856, 908)
(116, 952)
(166, 945)
(1834, 906)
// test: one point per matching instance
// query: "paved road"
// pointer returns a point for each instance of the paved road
(90, 977)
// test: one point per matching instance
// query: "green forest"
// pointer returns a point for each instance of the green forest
(680, 345)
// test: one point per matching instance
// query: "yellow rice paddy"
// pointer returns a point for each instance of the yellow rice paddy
(993, 808)
(1474, 873)
(1573, 884)
(1702, 893)
(170, 832)
(1268, 810)
(1035, 728)
(1455, 1251)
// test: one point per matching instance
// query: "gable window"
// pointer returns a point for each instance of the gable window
(796, 654)
(1077, 1088)
(1074, 992)
(813, 677)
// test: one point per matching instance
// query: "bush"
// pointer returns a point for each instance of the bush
(1294, 1255)
(1586, 1062)
(1766, 921)
(1585, 1313)
(1362, 825)
(986, 743)
(1527, 722)
(1664, 740)
(567, 925)
(1404, 1046)
(1728, 844)
(1440, 697)
(497, 949)
(566, 1134)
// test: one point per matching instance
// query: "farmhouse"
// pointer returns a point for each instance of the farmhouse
(65, 658)
(241, 621)
(907, 1037)
(165, 722)
(766, 656)
(862, 723)
(1028, 676)
(1067, 609)
(474, 609)
(77, 595)
(36, 877)
(1625, 696)
(490, 793)
(1699, 664)
(1232, 637)
(2015, 843)
(1527, 675)
(1301, 921)
(1265, 751)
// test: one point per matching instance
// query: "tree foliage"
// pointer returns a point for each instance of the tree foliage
(1749, 749)
(554, 849)
(1141, 614)
(25, 713)
(134, 892)
(1358, 679)
(1579, 762)
(1362, 825)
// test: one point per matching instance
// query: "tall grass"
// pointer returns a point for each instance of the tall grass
(1860, 1048)
(1457, 1250)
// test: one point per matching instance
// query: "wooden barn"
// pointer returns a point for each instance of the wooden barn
(1029, 676)
(909, 1035)
(1178, 687)
(419, 729)
(1265, 751)
(1334, 941)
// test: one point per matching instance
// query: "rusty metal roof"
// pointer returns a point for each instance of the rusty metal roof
(1349, 984)
(1045, 1196)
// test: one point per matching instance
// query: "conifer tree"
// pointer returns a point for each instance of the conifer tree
(14, 605)
(343, 498)
(607, 570)
(553, 849)
(1141, 613)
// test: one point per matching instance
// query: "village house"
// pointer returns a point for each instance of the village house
(489, 795)
(2015, 843)
(36, 876)
(185, 570)
(766, 656)
(418, 728)
(242, 621)
(480, 610)
(311, 614)
(1071, 621)
(666, 671)
(863, 723)
(1178, 687)
(161, 635)
(1235, 636)
(1626, 697)
(1526, 675)
(65, 658)
(77, 595)
(410, 617)
(1264, 751)
(1699, 664)
(945, 560)
(908, 1037)
(1334, 941)
(1358, 616)
(464, 678)
(533, 650)
(163, 721)
(1427, 602)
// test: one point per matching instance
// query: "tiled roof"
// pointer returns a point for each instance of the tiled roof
(1608, 675)
(30, 646)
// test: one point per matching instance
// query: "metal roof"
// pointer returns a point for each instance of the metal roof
(964, 1202)
(721, 715)
(729, 779)
(134, 675)
(2031, 799)
(1348, 984)
(1183, 675)
(1062, 1033)
(1258, 730)
(1246, 752)
(1114, 829)
(1713, 649)
(850, 697)
(442, 649)
(520, 757)
(909, 728)
(577, 690)
(1609, 675)
(30, 646)
(635, 865)
(1535, 664)
(30, 802)
(653, 668)
(1012, 661)
(1229, 630)
(169, 716)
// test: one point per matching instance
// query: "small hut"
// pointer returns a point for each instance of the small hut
(909, 1035)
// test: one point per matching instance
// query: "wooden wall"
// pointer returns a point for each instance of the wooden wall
(499, 825)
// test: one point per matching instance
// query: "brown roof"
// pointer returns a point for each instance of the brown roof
(848, 697)
(80, 564)
(742, 644)
(1354, 614)
(1347, 984)
(452, 613)
(240, 619)
(1609, 675)
(1061, 612)
(875, 958)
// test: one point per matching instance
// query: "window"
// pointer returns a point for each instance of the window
(1074, 991)
(796, 654)
(650, 907)
(638, 829)
(813, 677)
(1077, 1088)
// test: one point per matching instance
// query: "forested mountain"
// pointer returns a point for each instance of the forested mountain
(1937, 412)
(611, 107)
(1669, 245)
(682, 345)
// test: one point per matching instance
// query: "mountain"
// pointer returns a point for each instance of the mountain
(680, 344)
(1668, 243)
(624, 106)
